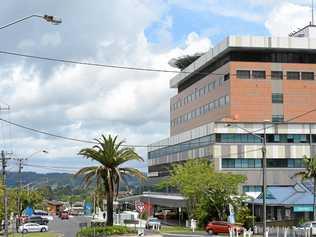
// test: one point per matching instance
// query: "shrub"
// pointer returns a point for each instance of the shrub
(104, 231)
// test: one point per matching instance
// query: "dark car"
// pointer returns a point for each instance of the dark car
(222, 227)
(37, 219)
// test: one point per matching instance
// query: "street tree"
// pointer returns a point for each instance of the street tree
(111, 155)
(208, 192)
(310, 173)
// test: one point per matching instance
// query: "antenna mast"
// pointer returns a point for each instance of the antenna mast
(312, 12)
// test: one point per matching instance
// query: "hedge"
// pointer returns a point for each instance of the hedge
(104, 231)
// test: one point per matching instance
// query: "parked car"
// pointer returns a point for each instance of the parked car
(308, 225)
(222, 227)
(64, 215)
(32, 227)
(43, 214)
(38, 219)
(151, 222)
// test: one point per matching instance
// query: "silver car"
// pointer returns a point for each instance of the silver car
(153, 223)
(32, 227)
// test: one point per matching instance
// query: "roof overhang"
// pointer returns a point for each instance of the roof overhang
(242, 43)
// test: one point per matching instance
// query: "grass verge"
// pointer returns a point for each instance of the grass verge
(179, 229)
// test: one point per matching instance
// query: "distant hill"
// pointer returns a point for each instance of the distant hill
(52, 179)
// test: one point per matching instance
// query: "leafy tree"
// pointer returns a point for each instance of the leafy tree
(111, 154)
(208, 192)
(310, 173)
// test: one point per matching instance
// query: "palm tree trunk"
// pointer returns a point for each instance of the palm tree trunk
(314, 203)
(109, 208)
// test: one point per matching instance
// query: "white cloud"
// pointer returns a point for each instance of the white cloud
(51, 39)
(287, 17)
(83, 102)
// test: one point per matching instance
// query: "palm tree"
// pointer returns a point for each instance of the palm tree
(111, 154)
(310, 173)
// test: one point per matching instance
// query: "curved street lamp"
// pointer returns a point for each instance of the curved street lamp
(52, 19)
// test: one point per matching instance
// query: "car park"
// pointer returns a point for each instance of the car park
(32, 227)
(222, 227)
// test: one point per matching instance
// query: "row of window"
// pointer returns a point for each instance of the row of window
(181, 147)
(212, 106)
(257, 163)
(275, 75)
(199, 92)
(271, 138)
(229, 138)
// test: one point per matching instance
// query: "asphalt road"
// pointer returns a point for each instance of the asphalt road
(68, 228)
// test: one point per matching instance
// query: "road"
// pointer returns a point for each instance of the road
(68, 228)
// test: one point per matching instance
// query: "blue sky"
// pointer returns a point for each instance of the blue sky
(85, 102)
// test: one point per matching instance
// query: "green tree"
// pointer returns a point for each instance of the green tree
(208, 192)
(310, 173)
(111, 154)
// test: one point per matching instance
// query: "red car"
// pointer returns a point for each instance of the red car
(64, 215)
(221, 227)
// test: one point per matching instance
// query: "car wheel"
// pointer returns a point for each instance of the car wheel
(24, 231)
(210, 232)
(43, 230)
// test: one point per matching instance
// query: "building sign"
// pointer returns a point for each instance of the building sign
(303, 208)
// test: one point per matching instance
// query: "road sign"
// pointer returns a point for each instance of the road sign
(140, 206)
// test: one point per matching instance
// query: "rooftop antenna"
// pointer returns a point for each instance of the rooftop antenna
(312, 12)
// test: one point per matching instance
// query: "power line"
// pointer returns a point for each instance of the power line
(133, 68)
(98, 64)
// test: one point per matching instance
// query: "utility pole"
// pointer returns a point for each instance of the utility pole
(20, 165)
(5, 194)
(264, 181)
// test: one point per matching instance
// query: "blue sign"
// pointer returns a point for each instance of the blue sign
(28, 211)
(87, 209)
(303, 208)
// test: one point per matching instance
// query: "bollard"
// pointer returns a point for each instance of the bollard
(231, 234)
(285, 232)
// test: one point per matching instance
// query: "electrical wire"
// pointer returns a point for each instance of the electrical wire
(133, 68)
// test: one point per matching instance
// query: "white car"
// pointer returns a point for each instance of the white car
(307, 226)
(32, 227)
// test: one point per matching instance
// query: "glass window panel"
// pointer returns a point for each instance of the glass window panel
(308, 76)
(277, 75)
(293, 75)
(226, 77)
(256, 74)
(243, 74)
(277, 98)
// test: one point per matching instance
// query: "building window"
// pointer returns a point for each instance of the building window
(293, 75)
(252, 188)
(308, 76)
(277, 118)
(226, 77)
(258, 74)
(277, 98)
(231, 163)
(276, 75)
(243, 74)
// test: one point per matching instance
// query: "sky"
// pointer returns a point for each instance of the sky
(84, 102)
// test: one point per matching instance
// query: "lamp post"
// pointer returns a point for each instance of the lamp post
(264, 168)
(52, 19)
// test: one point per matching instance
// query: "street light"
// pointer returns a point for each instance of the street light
(264, 168)
(52, 19)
